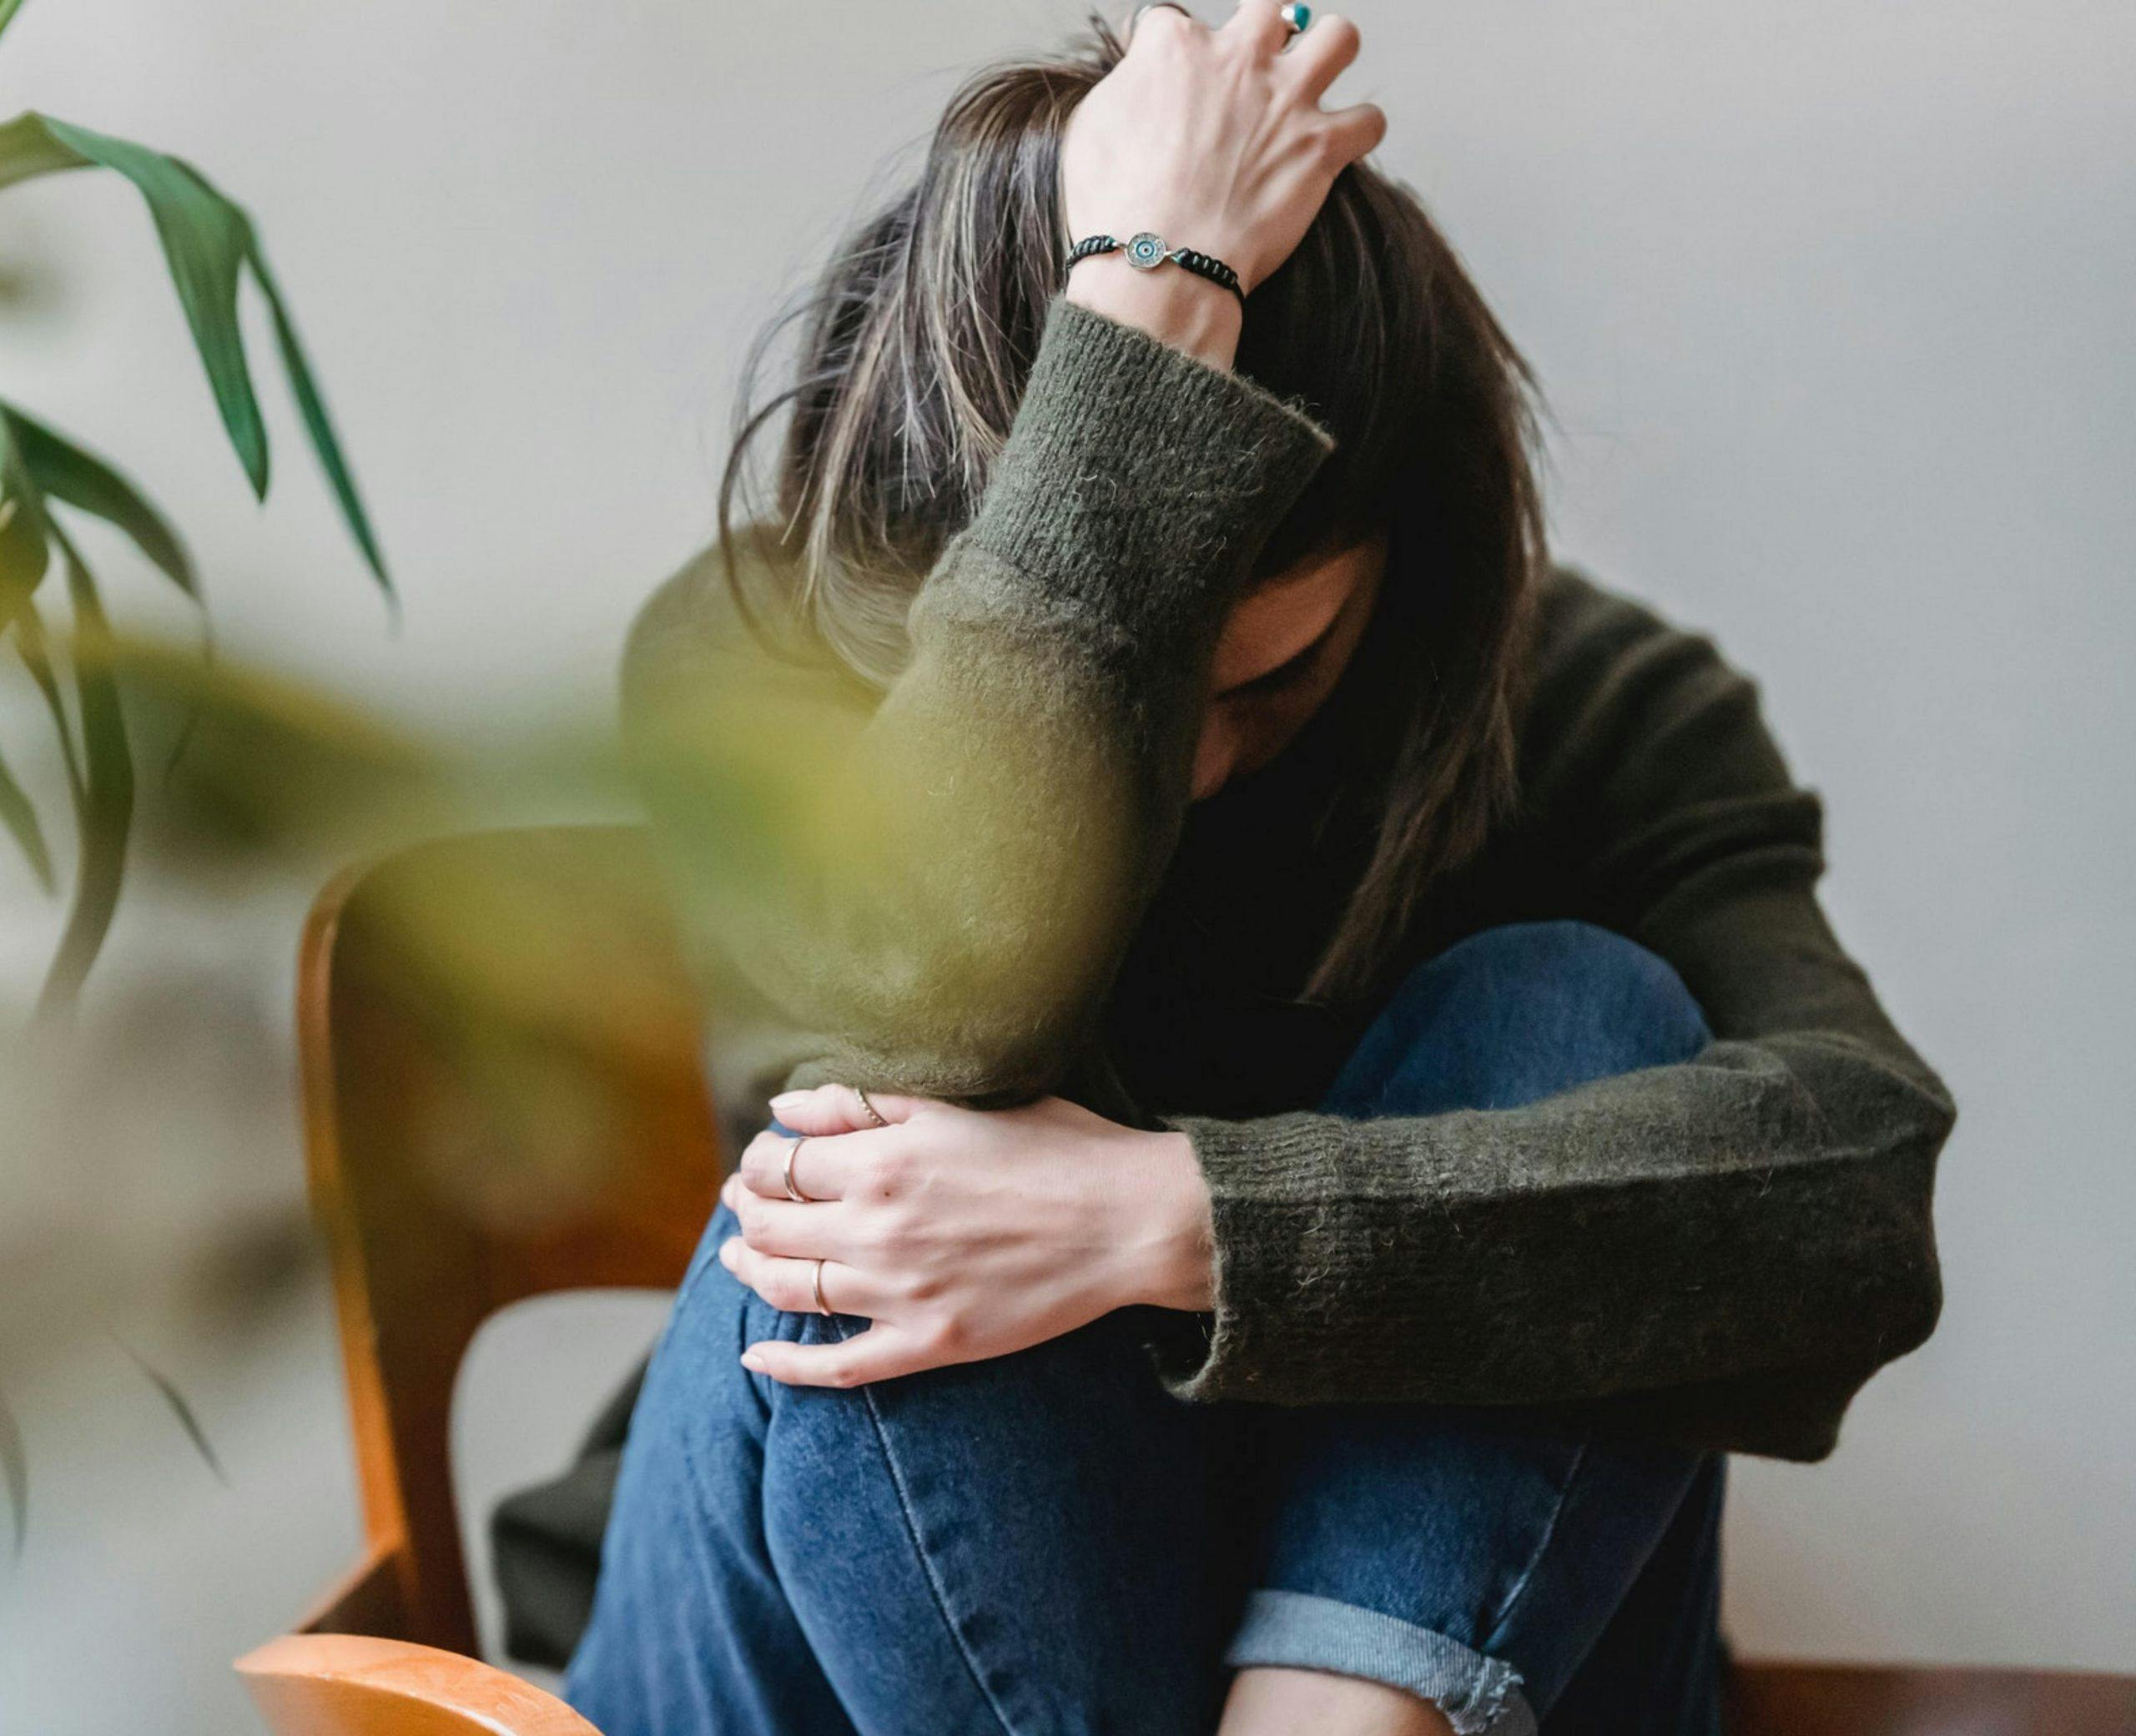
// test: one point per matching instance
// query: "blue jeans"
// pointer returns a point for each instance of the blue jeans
(1050, 1543)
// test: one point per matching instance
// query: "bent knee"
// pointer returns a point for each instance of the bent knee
(1602, 976)
(1520, 1012)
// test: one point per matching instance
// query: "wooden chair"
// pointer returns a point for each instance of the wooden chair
(503, 1097)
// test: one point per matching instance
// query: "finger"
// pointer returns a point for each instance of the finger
(771, 1158)
(841, 1109)
(1259, 25)
(789, 1285)
(881, 1353)
(1314, 60)
(823, 1165)
(1180, 19)
(1355, 132)
(813, 1231)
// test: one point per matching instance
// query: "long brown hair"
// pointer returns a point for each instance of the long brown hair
(915, 344)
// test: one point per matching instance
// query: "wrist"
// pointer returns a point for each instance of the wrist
(1173, 1228)
(1174, 306)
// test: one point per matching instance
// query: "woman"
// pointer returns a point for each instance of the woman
(1318, 1100)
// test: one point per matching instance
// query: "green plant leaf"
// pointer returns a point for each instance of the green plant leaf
(19, 815)
(28, 150)
(8, 8)
(311, 404)
(208, 242)
(103, 814)
(205, 240)
(64, 471)
(23, 551)
(23, 555)
(34, 649)
(15, 1467)
(180, 1408)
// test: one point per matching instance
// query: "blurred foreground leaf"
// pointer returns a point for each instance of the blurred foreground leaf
(276, 769)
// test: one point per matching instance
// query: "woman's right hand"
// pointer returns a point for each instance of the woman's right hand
(1215, 140)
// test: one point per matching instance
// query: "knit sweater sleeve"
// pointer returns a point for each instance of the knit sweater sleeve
(1720, 1251)
(929, 888)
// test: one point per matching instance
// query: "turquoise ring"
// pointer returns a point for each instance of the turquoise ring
(1295, 14)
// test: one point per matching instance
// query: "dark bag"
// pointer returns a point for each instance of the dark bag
(546, 1542)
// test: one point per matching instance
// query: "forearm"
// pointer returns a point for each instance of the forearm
(1720, 1252)
(1189, 312)
(1170, 1216)
(933, 895)
(939, 900)
(1682, 1225)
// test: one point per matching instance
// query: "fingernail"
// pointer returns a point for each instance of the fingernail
(752, 1360)
(728, 1250)
(787, 1099)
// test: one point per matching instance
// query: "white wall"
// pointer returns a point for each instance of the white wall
(1832, 303)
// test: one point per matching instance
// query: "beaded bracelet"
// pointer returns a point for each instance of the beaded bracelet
(1146, 251)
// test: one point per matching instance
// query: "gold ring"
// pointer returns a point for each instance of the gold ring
(868, 1110)
(786, 1171)
(816, 1284)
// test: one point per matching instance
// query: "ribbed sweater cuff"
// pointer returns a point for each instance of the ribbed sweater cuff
(1255, 1179)
(1139, 483)
(1326, 1282)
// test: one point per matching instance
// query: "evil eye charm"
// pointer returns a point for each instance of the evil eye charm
(1146, 251)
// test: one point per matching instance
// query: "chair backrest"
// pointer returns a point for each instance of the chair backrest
(503, 1097)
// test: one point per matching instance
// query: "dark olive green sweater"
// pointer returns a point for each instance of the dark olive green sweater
(988, 882)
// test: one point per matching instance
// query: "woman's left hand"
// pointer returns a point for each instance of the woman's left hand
(960, 1234)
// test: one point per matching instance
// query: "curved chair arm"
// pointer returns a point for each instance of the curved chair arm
(342, 1684)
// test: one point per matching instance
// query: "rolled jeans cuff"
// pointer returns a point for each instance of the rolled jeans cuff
(1480, 1696)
